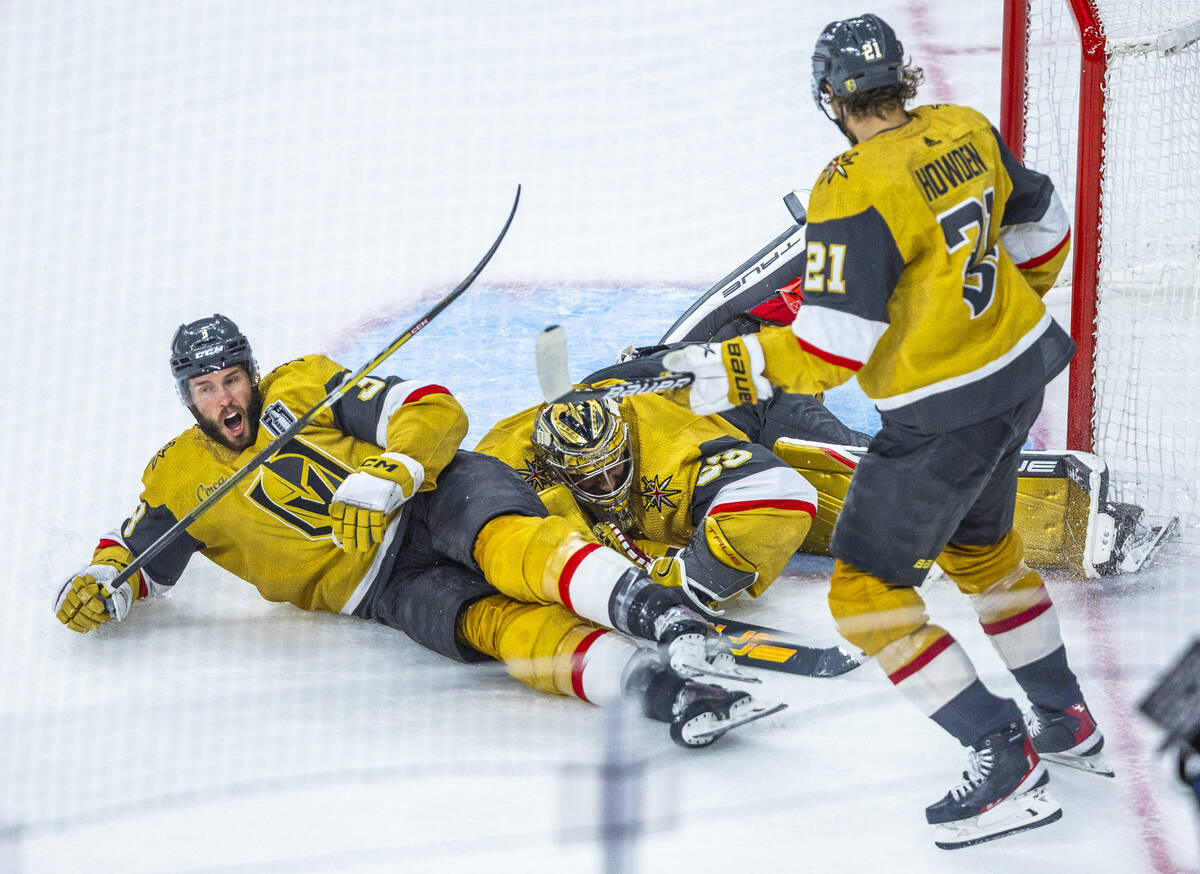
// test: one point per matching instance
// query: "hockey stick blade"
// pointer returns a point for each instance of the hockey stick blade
(555, 380)
(167, 537)
(773, 650)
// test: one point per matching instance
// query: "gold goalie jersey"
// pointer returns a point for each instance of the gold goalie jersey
(929, 247)
(273, 530)
(688, 468)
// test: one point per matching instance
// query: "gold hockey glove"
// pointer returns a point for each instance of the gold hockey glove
(80, 603)
(366, 500)
(726, 374)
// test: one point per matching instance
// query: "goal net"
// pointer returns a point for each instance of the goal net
(1103, 96)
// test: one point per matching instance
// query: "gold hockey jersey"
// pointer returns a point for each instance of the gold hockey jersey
(929, 246)
(687, 467)
(273, 530)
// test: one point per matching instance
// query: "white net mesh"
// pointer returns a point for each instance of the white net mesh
(1148, 352)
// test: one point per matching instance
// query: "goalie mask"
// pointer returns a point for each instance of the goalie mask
(206, 346)
(586, 447)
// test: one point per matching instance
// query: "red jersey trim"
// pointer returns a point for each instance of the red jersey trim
(1042, 259)
(739, 506)
(837, 360)
(425, 391)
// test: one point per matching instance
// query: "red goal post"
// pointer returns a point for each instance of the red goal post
(1104, 95)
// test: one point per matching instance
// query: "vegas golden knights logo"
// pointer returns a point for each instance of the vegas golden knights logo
(296, 485)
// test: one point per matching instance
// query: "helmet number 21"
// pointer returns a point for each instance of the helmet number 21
(979, 270)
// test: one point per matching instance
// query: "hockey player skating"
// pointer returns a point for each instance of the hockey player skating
(695, 503)
(928, 249)
(372, 510)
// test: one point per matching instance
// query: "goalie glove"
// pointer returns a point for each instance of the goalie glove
(704, 578)
(726, 374)
(80, 604)
(364, 503)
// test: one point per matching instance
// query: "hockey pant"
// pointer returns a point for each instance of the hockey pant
(926, 663)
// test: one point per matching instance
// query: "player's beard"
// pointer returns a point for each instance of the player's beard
(250, 417)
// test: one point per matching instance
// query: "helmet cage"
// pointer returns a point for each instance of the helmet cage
(586, 447)
(207, 346)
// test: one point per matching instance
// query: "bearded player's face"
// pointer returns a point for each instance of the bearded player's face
(225, 406)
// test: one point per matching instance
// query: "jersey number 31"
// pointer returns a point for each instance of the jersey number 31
(979, 270)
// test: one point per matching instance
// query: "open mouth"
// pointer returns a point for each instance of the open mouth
(233, 423)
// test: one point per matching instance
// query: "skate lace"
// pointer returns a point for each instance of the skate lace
(979, 766)
(1033, 723)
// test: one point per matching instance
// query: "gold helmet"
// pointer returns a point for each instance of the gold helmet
(586, 447)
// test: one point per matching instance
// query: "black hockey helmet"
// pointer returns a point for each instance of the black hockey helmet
(856, 55)
(206, 346)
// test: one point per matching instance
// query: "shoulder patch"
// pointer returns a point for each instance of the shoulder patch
(277, 418)
(161, 454)
(837, 167)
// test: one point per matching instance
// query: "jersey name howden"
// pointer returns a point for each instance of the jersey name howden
(949, 171)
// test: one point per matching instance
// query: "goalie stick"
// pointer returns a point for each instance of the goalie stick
(557, 387)
(758, 646)
(140, 560)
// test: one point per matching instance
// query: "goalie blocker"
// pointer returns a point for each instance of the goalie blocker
(1063, 513)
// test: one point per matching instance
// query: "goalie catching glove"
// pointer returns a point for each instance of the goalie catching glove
(366, 500)
(726, 374)
(80, 604)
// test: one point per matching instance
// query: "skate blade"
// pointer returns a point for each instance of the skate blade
(1144, 554)
(693, 670)
(690, 662)
(750, 711)
(1029, 810)
(1096, 764)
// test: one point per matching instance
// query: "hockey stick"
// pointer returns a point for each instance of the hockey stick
(140, 560)
(556, 383)
(743, 289)
(757, 646)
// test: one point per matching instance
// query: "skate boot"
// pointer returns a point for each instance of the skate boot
(698, 713)
(687, 642)
(1002, 793)
(1069, 737)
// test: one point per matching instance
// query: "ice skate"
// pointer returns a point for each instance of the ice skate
(1003, 792)
(1069, 737)
(698, 713)
(687, 642)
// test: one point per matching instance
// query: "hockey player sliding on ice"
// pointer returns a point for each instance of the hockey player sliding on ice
(372, 510)
(687, 497)
(929, 247)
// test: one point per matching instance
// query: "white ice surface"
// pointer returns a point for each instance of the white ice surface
(321, 171)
